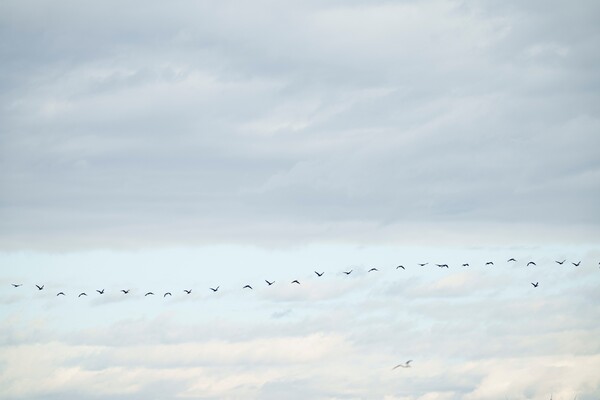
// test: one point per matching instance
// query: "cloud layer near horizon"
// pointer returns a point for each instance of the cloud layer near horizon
(474, 333)
(257, 122)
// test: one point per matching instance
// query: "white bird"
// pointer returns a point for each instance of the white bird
(405, 365)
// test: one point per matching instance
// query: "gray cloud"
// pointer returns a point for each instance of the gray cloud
(206, 122)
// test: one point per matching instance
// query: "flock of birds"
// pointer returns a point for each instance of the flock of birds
(406, 364)
(297, 282)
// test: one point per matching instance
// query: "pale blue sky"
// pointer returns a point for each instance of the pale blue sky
(478, 324)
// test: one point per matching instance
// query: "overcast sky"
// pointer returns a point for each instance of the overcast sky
(159, 146)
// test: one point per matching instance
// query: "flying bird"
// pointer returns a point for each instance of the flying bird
(511, 259)
(576, 264)
(168, 293)
(187, 291)
(405, 365)
(215, 289)
(489, 263)
(16, 284)
(401, 266)
(100, 291)
(424, 264)
(125, 291)
(442, 265)
(347, 272)
(247, 287)
(531, 263)
(296, 281)
(319, 274)
(60, 294)
(269, 283)
(373, 269)
(535, 284)
(82, 294)
(465, 265)
(40, 287)
(560, 262)
(149, 294)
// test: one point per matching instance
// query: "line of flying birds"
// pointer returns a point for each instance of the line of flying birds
(297, 282)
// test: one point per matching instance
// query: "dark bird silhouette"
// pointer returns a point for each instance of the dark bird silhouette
(149, 294)
(442, 265)
(168, 293)
(187, 291)
(247, 287)
(489, 263)
(125, 291)
(535, 284)
(531, 263)
(40, 287)
(296, 281)
(576, 264)
(82, 294)
(511, 259)
(100, 291)
(373, 269)
(405, 365)
(347, 272)
(215, 289)
(465, 265)
(60, 294)
(401, 266)
(560, 262)
(269, 283)
(319, 274)
(424, 264)
(16, 284)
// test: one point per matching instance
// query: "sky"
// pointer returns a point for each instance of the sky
(157, 146)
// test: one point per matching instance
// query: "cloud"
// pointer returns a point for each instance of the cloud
(140, 126)
(201, 125)
(468, 338)
(463, 283)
